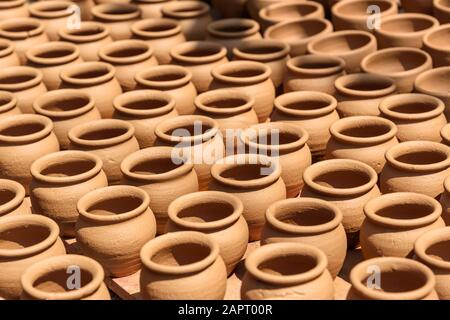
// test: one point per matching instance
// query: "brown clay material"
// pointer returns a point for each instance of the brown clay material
(254, 6)
(441, 10)
(445, 202)
(230, 8)
(118, 17)
(436, 83)
(445, 134)
(151, 8)
(8, 55)
(12, 196)
(434, 43)
(85, 8)
(8, 105)
(13, 8)
(421, 6)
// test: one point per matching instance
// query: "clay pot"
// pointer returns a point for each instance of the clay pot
(128, 57)
(174, 80)
(433, 44)
(436, 83)
(441, 10)
(199, 57)
(216, 214)
(12, 196)
(313, 73)
(85, 7)
(416, 166)
(422, 6)
(48, 279)
(24, 33)
(230, 8)
(193, 17)
(287, 143)
(195, 138)
(310, 110)
(254, 6)
(182, 265)
(13, 8)
(94, 78)
(118, 18)
(290, 271)
(350, 45)
(110, 139)
(27, 239)
(8, 55)
(298, 33)
(89, 38)
(8, 105)
(417, 116)
(308, 221)
(151, 8)
(272, 53)
(144, 109)
(348, 184)
(113, 225)
(51, 58)
(28, 137)
(250, 77)
(59, 180)
(403, 65)
(161, 34)
(445, 202)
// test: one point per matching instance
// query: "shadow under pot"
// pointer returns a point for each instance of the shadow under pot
(117, 17)
(13, 8)
(434, 44)
(113, 225)
(8, 105)
(422, 6)
(25, 240)
(291, 271)
(445, 202)
(436, 83)
(8, 55)
(230, 9)
(12, 199)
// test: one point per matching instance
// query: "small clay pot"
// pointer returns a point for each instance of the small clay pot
(8, 55)
(182, 265)
(118, 18)
(48, 279)
(161, 34)
(27, 239)
(417, 116)
(308, 221)
(416, 166)
(403, 65)
(12, 196)
(310, 110)
(350, 45)
(151, 8)
(94, 78)
(348, 184)
(290, 271)
(250, 77)
(174, 80)
(28, 137)
(230, 8)
(421, 6)
(193, 17)
(313, 73)
(445, 202)
(13, 8)
(90, 37)
(60, 179)
(199, 57)
(128, 58)
(433, 44)
(299, 32)
(441, 10)
(436, 83)
(8, 105)
(272, 53)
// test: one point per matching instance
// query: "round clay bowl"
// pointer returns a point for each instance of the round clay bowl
(445, 201)
(12, 196)
(13, 8)
(8, 55)
(441, 10)
(436, 83)
(8, 105)
(118, 17)
(434, 43)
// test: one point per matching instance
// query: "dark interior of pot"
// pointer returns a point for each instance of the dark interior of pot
(68, 168)
(57, 281)
(101, 134)
(23, 236)
(188, 8)
(359, 8)
(306, 217)
(206, 211)
(440, 251)
(364, 84)
(307, 104)
(261, 49)
(225, 103)
(245, 172)
(181, 254)
(127, 52)
(16, 79)
(54, 7)
(155, 166)
(316, 64)
(244, 73)
(59, 53)
(396, 61)
(22, 129)
(366, 130)
(90, 74)
(292, 32)
(23, 27)
(160, 27)
(288, 265)
(342, 43)
(119, 10)
(405, 211)
(189, 130)
(145, 104)
(115, 206)
(200, 51)
(407, 25)
(422, 157)
(86, 31)
(233, 28)
(6, 196)
(169, 76)
(413, 107)
(398, 280)
(64, 104)
(342, 179)
(274, 137)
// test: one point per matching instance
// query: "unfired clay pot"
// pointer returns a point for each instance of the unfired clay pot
(436, 82)
(434, 44)
(8, 55)
(8, 105)
(445, 202)
(290, 271)
(118, 18)
(422, 6)
(12, 196)
(114, 223)
(13, 8)
(182, 265)
(441, 10)
(308, 221)
(151, 8)
(230, 8)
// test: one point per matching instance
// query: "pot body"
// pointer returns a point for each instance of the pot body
(125, 72)
(303, 82)
(162, 46)
(22, 45)
(349, 106)
(26, 97)
(9, 60)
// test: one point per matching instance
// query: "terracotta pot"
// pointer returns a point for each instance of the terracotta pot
(250, 77)
(195, 138)
(28, 137)
(48, 279)
(193, 17)
(313, 73)
(60, 179)
(8, 105)
(174, 80)
(89, 38)
(272, 53)
(12, 196)
(308, 221)
(310, 110)
(28, 239)
(182, 265)
(24, 33)
(441, 10)
(254, 6)
(422, 6)
(128, 58)
(287, 143)
(8, 55)
(94, 78)
(199, 57)
(399, 279)
(290, 271)
(348, 184)
(350, 45)
(161, 34)
(445, 202)
(433, 44)
(216, 214)
(298, 33)
(13, 8)
(230, 8)
(118, 18)
(417, 116)
(436, 83)
(151, 8)
(416, 166)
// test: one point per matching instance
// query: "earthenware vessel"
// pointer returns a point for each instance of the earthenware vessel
(434, 44)
(8, 55)
(151, 8)
(231, 8)
(117, 17)
(8, 105)
(254, 6)
(12, 196)
(436, 83)
(13, 8)
(445, 202)
(422, 6)
(441, 10)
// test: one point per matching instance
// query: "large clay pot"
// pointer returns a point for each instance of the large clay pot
(441, 10)
(433, 44)
(230, 8)
(290, 271)
(13, 8)
(8, 105)
(445, 202)
(8, 55)
(12, 196)
(118, 17)
(182, 265)
(422, 6)
(27, 239)
(151, 8)
(436, 82)
(308, 221)
(114, 223)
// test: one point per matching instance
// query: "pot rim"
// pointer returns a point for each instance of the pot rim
(198, 9)
(121, 100)
(430, 73)
(425, 241)
(399, 99)
(214, 28)
(138, 28)
(283, 52)
(40, 102)
(438, 4)
(141, 77)
(219, 70)
(292, 64)
(178, 52)
(428, 43)
(10, 47)
(295, 96)
(100, 12)
(13, 35)
(105, 52)
(220, 95)
(68, 35)
(336, 7)
(264, 12)
(36, 79)
(68, 73)
(11, 98)
(19, 195)
(342, 82)
(33, 53)
(12, 4)
(38, 9)
(409, 16)
(28, 118)
(445, 135)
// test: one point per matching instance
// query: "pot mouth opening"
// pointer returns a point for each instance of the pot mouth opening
(233, 28)
(51, 10)
(25, 128)
(435, 38)
(185, 9)
(63, 103)
(12, 195)
(244, 72)
(125, 52)
(88, 73)
(318, 65)
(156, 28)
(104, 132)
(305, 103)
(357, 9)
(261, 50)
(198, 52)
(407, 24)
(87, 31)
(433, 248)
(144, 103)
(19, 78)
(224, 101)
(116, 11)
(282, 11)
(412, 106)
(21, 28)
(361, 84)
(297, 31)
(164, 76)
(342, 42)
(434, 82)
